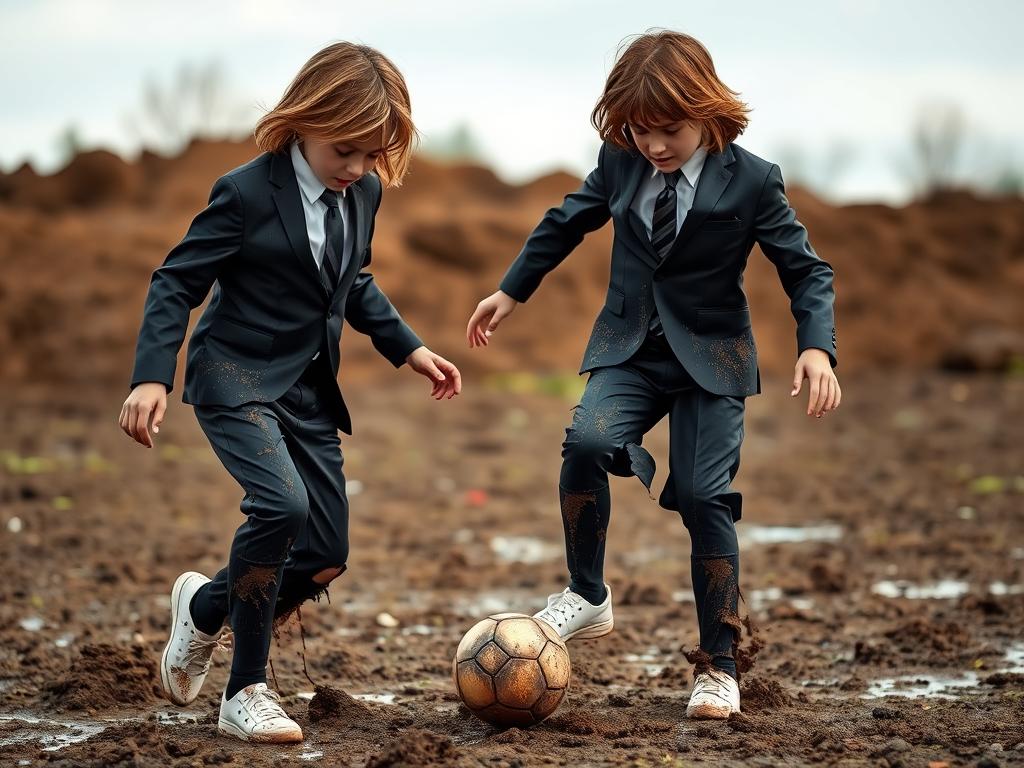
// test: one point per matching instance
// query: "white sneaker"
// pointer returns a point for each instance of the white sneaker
(715, 695)
(186, 657)
(253, 714)
(571, 615)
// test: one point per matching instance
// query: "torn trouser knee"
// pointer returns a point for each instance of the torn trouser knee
(587, 461)
(299, 586)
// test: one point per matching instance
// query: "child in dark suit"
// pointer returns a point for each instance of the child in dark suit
(673, 337)
(285, 245)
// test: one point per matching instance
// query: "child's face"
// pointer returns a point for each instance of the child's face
(667, 145)
(340, 163)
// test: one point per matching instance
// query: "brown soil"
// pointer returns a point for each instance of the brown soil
(104, 677)
(920, 469)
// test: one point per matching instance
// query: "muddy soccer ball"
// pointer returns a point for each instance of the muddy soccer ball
(511, 669)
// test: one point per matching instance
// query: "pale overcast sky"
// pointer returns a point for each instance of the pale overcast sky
(524, 75)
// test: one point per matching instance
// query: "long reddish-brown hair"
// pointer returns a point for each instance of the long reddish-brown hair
(666, 77)
(345, 92)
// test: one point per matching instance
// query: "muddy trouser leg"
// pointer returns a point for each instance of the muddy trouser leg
(250, 442)
(705, 433)
(319, 554)
(619, 405)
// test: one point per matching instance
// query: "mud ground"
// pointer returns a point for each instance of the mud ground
(882, 562)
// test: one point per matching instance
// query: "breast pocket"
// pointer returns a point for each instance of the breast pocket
(245, 338)
(722, 225)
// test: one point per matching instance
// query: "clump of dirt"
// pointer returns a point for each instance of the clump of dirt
(333, 704)
(764, 693)
(106, 676)
(923, 637)
(415, 748)
(130, 744)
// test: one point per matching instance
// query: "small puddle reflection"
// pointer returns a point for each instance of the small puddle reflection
(652, 660)
(944, 589)
(941, 686)
(51, 735)
(788, 534)
(525, 549)
(497, 601)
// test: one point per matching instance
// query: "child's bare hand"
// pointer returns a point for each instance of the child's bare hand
(824, 395)
(489, 313)
(144, 408)
(443, 375)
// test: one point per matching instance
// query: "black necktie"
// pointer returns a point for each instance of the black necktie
(334, 233)
(663, 231)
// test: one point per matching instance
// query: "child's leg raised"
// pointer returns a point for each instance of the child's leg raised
(619, 405)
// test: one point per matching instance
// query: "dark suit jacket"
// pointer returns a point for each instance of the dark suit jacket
(270, 312)
(698, 287)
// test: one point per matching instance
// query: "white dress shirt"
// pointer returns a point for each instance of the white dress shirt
(649, 189)
(315, 209)
(310, 188)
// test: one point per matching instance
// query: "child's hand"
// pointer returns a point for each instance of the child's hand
(485, 319)
(444, 375)
(825, 394)
(146, 400)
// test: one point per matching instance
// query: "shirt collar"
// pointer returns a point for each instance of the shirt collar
(310, 185)
(691, 168)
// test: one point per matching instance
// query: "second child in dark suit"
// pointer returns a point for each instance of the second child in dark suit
(674, 336)
(285, 245)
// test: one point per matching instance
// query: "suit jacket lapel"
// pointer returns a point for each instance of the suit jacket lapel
(714, 178)
(633, 174)
(289, 207)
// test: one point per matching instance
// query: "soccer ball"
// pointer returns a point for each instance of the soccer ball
(511, 669)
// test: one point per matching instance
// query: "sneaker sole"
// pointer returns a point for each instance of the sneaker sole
(709, 712)
(230, 729)
(591, 631)
(179, 584)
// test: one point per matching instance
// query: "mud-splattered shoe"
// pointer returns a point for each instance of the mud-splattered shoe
(715, 695)
(253, 714)
(571, 615)
(186, 657)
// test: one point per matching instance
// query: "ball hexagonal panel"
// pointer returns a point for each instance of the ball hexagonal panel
(519, 683)
(554, 663)
(520, 636)
(475, 685)
(476, 638)
(491, 658)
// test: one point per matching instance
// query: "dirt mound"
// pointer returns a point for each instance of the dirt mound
(947, 272)
(415, 748)
(107, 677)
(333, 704)
(764, 693)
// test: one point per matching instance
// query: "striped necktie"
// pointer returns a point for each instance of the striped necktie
(663, 232)
(334, 240)
(663, 224)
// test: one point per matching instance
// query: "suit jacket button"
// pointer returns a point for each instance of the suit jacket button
(330, 314)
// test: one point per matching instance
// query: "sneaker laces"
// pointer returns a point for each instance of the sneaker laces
(714, 683)
(264, 705)
(197, 657)
(564, 606)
